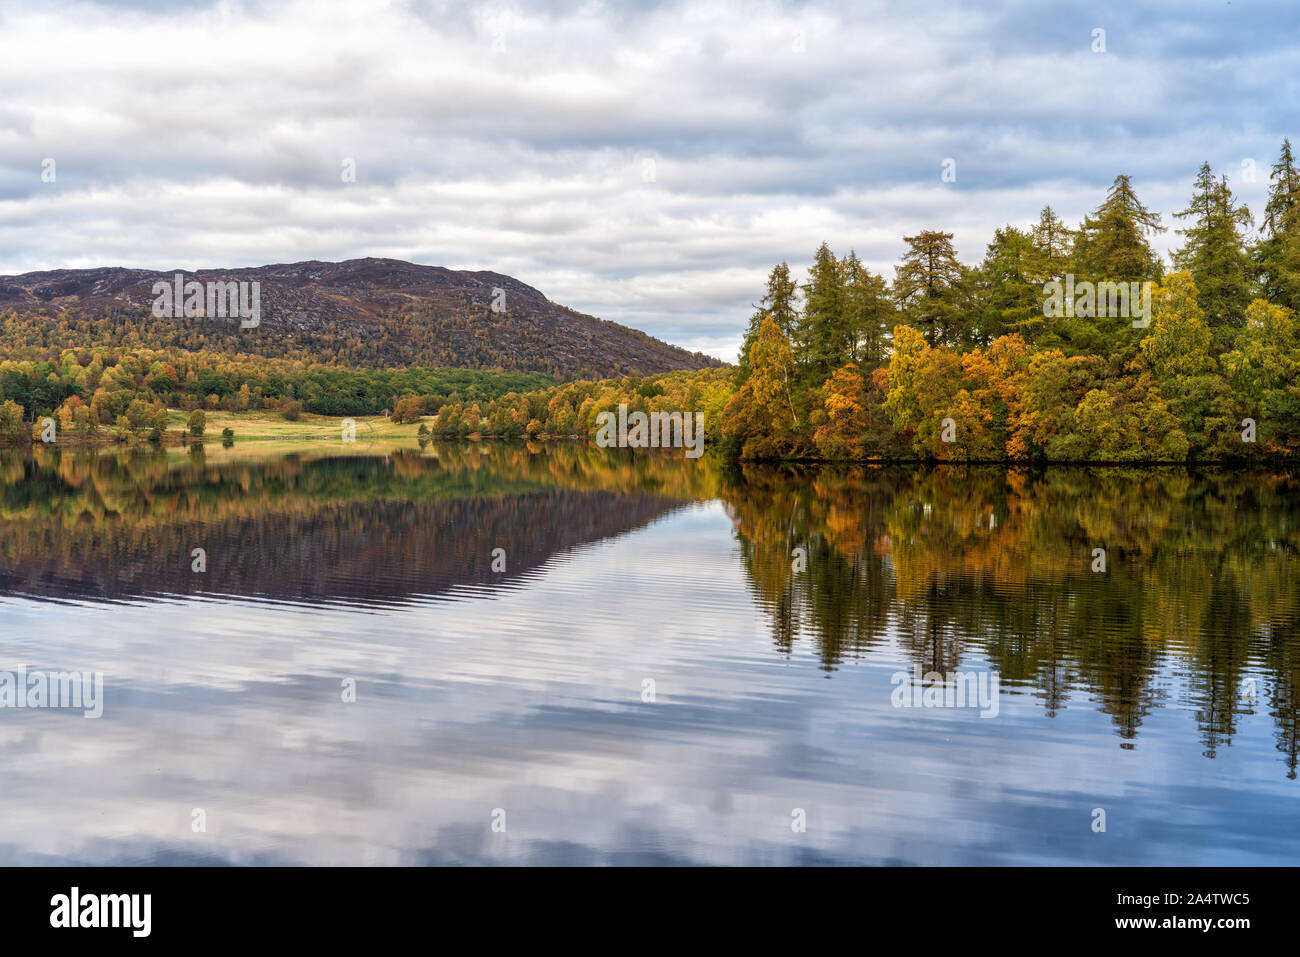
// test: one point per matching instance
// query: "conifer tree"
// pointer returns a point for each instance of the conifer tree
(1215, 250)
(930, 288)
(1284, 194)
(1112, 246)
(1010, 291)
(822, 338)
(1277, 255)
(1053, 247)
(1112, 242)
(869, 313)
(778, 304)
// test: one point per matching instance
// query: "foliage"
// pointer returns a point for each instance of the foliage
(976, 369)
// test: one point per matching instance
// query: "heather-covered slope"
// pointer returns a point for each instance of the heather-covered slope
(361, 312)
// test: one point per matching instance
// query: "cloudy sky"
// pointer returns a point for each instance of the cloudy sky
(646, 163)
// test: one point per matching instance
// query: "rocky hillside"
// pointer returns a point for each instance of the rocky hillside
(361, 312)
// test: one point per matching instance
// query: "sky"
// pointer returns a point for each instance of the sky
(643, 162)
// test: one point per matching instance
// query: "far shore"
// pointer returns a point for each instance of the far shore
(259, 434)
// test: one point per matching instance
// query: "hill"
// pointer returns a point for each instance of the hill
(361, 312)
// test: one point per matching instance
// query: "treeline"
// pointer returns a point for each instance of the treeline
(951, 361)
(107, 385)
(571, 409)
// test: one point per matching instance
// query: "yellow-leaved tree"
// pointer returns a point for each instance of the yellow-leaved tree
(760, 420)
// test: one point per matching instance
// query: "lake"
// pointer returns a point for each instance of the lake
(556, 654)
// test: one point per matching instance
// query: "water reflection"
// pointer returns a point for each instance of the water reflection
(1200, 579)
(357, 531)
(524, 689)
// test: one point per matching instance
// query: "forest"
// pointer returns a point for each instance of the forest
(958, 362)
(946, 362)
(963, 363)
(95, 392)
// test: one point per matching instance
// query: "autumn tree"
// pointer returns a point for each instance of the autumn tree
(407, 408)
(11, 419)
(1049, 392)
(1263, 375)
(1177, 351)
(924, 387)
(842, 431)
(760, 420)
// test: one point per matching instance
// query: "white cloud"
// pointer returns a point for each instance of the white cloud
(516, 139)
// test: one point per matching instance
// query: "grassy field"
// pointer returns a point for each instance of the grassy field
(269, 433)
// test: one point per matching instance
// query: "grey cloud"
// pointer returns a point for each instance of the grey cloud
(206, 134)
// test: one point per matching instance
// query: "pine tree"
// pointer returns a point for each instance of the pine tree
(1215, 250)
(1277, 255)
(869, 313)
(1010, 292)
(779, 305)
(1283, 196)
(822, 338)
(1053, 247)
(1112, 245)
(930, 288)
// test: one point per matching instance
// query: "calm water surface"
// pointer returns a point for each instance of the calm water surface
(1163, 690)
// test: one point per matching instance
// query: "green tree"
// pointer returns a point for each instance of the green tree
(868, 311)
(930, 289)
(1010, 292)
(1215, 250)
(1177, 351)
(1053, 247)
(1277, 255)
(1112, 247)
(779, 305)
(822, 339)
(1112, 242)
